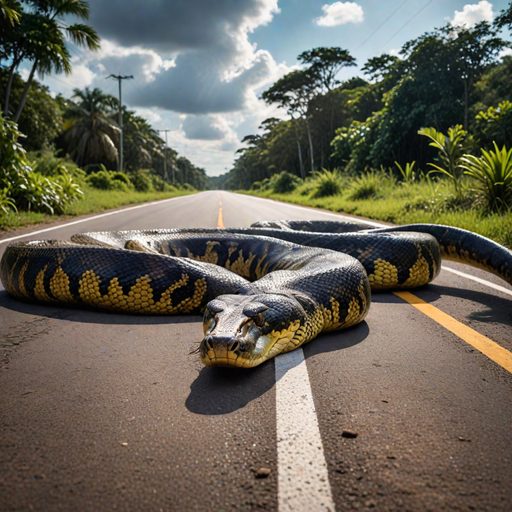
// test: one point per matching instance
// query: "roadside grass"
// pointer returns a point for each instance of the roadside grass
(408, 203)
(93, 201)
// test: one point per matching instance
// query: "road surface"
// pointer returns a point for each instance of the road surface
(110, 412)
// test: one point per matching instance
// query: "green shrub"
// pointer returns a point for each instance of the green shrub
(450, 149)
(24, 188)
(47, 164)
(492, 172)
(6, 202)
(142, 181)
(368, 185)
(407, 172)
(104, 180)
(327, 183)
(495, 125)
(160, 184)
(284, 182)
(122, 177)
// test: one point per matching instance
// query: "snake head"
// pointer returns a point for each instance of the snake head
(242, 330)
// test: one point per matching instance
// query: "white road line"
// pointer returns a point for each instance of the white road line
(87, 219)
(303, 481)
(497, 287)
(479, 280)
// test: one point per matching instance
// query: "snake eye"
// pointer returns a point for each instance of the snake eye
(209, 324)
(259, 320)
(215, 306)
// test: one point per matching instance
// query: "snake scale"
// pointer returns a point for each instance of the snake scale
(263, 290)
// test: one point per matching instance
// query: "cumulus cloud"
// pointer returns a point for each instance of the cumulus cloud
(205, 127)
(194, 57)
(340, 13)
(471, 14)
(178, 25)
(196, 70)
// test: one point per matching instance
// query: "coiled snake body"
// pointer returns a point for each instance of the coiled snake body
(263, 290)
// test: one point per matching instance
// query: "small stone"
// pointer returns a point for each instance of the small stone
(263, 472)
(463, 439)
(124, 443)
(349, 434)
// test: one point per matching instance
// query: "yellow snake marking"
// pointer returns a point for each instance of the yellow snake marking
(21, 280)
(283, 339)
(139, 298)
(262, 268)
(331, 315)
(240, 266)
(384, 276)
(419, 273)
(59, 286)
(39, 289)
(354, 313)
(210, 254)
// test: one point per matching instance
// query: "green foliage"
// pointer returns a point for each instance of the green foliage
(327, 183)
(284, 182)
(492, 172)
(450, 149)
(6, 202)
(108, 180)
(494, 125)
(368, 186)
(142, 180)
(160, 185)
(407, 172)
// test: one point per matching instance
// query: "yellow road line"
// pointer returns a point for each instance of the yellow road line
(486, 346)
(220, 218)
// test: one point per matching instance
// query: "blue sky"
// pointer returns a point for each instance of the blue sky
(200, 65)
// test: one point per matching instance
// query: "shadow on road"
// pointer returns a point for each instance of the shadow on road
(489, 307)
(83, 315)
(225, 390)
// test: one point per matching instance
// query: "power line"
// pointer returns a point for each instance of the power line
(119, 79)
(417, 13)
(381, 25)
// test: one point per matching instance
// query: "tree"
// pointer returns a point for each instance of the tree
(40, 38)
(93, 136)
(41, 119)
(325, 63)
(293, 92)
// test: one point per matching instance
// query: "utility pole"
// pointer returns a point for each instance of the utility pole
(119, 79)
(166, 131)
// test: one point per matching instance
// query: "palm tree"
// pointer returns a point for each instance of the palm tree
(92, 136)
(40, 38)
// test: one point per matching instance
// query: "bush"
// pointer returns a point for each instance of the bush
(23, 188)
(494, 125)
(284, 182)
(327, 183)
(47, 164)
(368, 185)
(492, 172)
(160, 184)
(142, 181)
(104, 180)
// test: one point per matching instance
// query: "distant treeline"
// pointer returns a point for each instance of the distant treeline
(450, 76)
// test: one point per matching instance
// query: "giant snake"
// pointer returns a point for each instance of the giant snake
(263, 290)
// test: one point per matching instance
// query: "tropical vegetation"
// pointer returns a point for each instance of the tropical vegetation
(436, 118)
(55, 150)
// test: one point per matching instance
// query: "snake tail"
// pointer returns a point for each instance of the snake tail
(464, 246)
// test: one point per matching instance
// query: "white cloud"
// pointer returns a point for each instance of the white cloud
(471, 14)
(205, 127)
(196, 71)
(340, 13)
(504, 53)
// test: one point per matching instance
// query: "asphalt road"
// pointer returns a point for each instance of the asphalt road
(109, 412)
